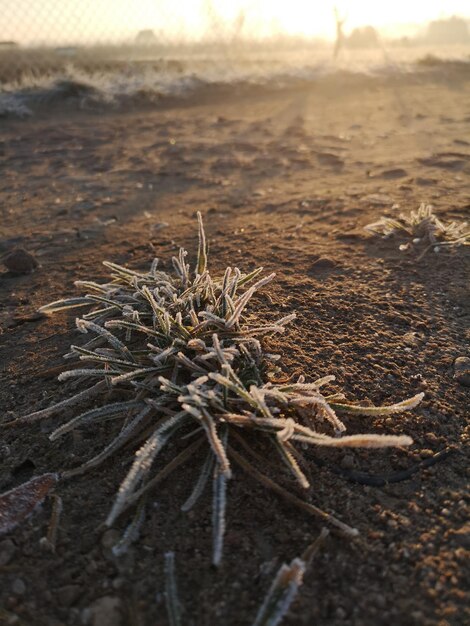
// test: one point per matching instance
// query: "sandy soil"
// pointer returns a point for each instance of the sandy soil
(286, 180)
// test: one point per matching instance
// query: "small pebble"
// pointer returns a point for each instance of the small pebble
(7, 550)
(324, 263)
(110, 538)
(340, 613)
(418, 616)
(347, 462)
(462, 537)
(91, 567)
(68, 595)
(379, 600)
(426, 453)
(85, 616)
(19, 261)
(18, 587)
(118, 583)
(106, 611)
(462, 370)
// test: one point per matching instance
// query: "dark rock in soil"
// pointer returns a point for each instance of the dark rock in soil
(19, 261)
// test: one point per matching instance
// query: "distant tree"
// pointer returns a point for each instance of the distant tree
(452, 30)
(364, 37)
(146, 37)
(221, 28)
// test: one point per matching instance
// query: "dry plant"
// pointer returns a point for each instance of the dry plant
(174, 354)
(173, 606)
(278, 599)
(423, 228)
(286, 584)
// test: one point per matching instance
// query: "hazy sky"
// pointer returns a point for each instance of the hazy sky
(92, 20)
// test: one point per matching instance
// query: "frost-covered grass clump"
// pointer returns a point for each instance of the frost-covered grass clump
(175, 354)
(423, 230)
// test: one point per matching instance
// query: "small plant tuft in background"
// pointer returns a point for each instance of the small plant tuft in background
(423, 229)
(175, 354)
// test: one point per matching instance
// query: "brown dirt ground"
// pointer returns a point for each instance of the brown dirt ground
(286, 180)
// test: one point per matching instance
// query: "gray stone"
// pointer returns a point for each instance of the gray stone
(160, 225)
(18, 587)
(347, 462)
(462, 370)
(106, 611)
(7, 550)
(110, 538)
(68, 595)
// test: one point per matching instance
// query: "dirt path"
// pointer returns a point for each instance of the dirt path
(287, 181)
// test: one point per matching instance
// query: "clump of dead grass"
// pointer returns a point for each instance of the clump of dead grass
(423, 230)
(175, 354)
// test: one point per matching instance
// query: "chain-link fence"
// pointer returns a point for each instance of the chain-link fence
(109, 50)
(144, 22)
(39, 35)
(145, 47)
